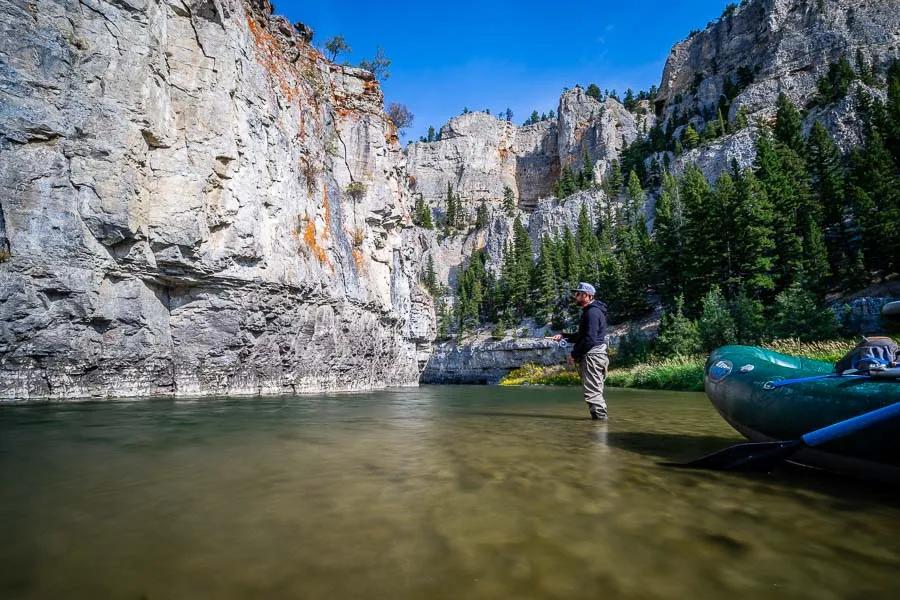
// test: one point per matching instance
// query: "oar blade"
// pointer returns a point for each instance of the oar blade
(761, 456)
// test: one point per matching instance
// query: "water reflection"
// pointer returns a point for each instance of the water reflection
(437, 492)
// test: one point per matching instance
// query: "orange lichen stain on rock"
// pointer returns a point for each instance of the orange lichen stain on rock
(503, 151)
(359, 259)
(370, 86)
(271, 58)
(390, 132)
(309, 238)
(411, 179)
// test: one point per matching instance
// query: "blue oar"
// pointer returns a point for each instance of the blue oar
(765, 455)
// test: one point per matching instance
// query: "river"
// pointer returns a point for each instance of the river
(432, 492)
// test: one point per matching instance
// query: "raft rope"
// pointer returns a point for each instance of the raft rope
(882, 374)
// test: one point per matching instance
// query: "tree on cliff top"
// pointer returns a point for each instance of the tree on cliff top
(379, 65)
(400, 116)
(335, 46)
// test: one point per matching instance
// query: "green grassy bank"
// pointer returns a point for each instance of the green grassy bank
(683, 373)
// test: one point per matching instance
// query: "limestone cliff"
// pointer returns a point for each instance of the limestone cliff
(479, 155)
(194, 201)
(771, 46)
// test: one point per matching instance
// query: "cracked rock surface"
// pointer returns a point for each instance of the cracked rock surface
(175, 214)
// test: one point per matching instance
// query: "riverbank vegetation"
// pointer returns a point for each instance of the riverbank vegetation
(682, 373)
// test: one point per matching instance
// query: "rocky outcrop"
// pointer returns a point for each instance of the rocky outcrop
(475, 155)
(771, 46)
(479, 155)
(196, 202)
(717, 156)
(486, 360)
(599, 129)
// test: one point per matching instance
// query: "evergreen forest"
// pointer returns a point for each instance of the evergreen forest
(750, 256)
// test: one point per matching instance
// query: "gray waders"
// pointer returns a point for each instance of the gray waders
(592, 368)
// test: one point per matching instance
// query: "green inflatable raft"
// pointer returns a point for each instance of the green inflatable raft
(742, 383)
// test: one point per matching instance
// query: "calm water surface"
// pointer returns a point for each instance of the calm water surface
(435, 492)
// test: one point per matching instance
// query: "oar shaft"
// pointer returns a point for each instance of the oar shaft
(852, 425)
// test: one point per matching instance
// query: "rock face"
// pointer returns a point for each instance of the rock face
(484, 360)
(196, 202)
(775, 46)
(479, 155)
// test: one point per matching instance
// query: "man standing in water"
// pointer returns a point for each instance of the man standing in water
(589, 352)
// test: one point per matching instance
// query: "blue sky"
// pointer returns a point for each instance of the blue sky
(450, 55)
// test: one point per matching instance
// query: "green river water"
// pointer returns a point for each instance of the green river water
(433, 492)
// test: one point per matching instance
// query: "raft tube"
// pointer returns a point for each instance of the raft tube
(738, 381)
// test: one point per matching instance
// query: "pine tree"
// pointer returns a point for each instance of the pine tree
(443, 318)
(635, 193)
(481, 216)
(751, 236)
(749, 319)
(588, 248)
(633, 255)
(516, 273)
(668, 240)
(715, 325)
(823, 161)
(569, 258)
(546, 284)
(836, 83)
(875, 195)
(783, 176)
(863, 69)
(593, 91)
(509, 200)
(722, 236)
(471, 293)
(700, 235)
(422, 214)
(587, 171)
(690, 138)
(891, 126)
(798, 314)
(452, 214)
(629, 102)
(815, 261)
(566, 185)
(430, 276)
(678, 335)
(431, 135)
(788, 124)
(741, 120)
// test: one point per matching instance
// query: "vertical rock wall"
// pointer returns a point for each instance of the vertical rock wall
(479, 155)
(177, 203)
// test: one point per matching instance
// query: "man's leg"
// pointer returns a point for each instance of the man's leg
(593, 373)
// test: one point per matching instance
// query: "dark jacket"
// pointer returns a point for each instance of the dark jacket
(591, 330)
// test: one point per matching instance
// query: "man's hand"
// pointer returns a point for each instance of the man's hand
(556, 337)
(570, 360)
